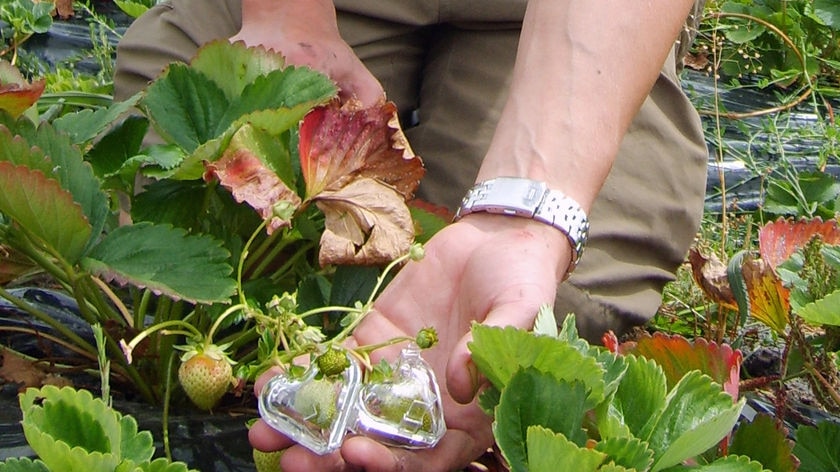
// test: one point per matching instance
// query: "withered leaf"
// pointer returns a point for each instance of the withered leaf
(710, 275)
(367, 222)
(250, 181)
(340, 143)
(769, 299)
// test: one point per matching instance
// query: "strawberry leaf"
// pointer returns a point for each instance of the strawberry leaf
(23, 464)
(16, 93)
(82, 126)
(166, 260)
(769, 300)
(45, 210)
(639, 397)
(627, 452)
(500, 352)
(550, 452)
(250, 170)
(233, 65)
(825, 311)
(522, 405)
(71, 430)
(781, 238)
(710, 275)
(45, 149)
(697, 415)
(678, 356)
(774, 451)
(816, 447)
(367, 222)
(341, 143)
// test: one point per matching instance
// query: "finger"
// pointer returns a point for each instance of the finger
(264, 378)
(463, 378)
(298, 458)
(265, 438)
(455, 451)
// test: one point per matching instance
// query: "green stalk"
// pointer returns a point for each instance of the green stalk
(41, 316)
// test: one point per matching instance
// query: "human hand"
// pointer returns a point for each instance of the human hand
(306, 33)
(487, 268)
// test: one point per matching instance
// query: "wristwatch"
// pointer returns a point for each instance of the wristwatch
(530, 199)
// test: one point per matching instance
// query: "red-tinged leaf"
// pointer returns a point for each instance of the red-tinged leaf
(16, 93)
(710, 275)
(677, 356)
(339, 144)
(48, 212)
(367, 222)
(243, 170)
(769, 299)
(781, 238)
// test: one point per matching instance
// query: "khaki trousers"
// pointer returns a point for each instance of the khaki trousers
(447, 65)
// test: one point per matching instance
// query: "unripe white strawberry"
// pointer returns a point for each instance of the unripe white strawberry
(205, 375)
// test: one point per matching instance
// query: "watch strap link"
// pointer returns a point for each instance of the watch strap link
(530, 199)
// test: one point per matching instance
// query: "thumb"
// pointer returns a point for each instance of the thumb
(463, 378)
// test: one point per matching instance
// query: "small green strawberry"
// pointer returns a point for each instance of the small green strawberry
(205, 374)
(268, 461)
(316, 402)
(332, 362)
(400, 410)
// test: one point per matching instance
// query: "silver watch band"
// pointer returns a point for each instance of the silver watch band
(530, 199)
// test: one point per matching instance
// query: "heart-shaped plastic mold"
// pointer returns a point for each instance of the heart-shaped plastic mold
(313, 410)
(406, 409)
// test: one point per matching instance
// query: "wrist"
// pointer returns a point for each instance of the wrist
(530, 199)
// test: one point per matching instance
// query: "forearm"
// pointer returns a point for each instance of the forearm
(583, 69)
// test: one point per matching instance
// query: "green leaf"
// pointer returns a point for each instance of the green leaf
(627, 452)
(730, 463)
(64, 162)
(45, 210)
(82, 126)
(816, 447)
(764, 441)
(697, 415)
(110, 154)
(71, 430)
(165, 260)
(163, 465)
(523, 403)
(185, 106)
(282, 89)
(825, 311)
(233, 66)
(640, 397)
(829, 12)
(551, 452)
(23, 464)
(546, 324)
(500, 352)
(130, 8)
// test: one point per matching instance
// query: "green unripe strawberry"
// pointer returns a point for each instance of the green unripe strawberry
(426, 338)
(316, 402)
(332, 362)
(268, 461)
(205, 375)
(397, 409)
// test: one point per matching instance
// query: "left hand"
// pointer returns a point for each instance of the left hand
(492, 269)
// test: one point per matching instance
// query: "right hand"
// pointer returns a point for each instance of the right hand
(306, 33)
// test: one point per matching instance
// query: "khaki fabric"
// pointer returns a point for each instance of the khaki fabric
(447, 65)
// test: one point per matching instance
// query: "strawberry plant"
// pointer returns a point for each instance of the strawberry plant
(276, 189)
(619, 412)
(70, 430)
